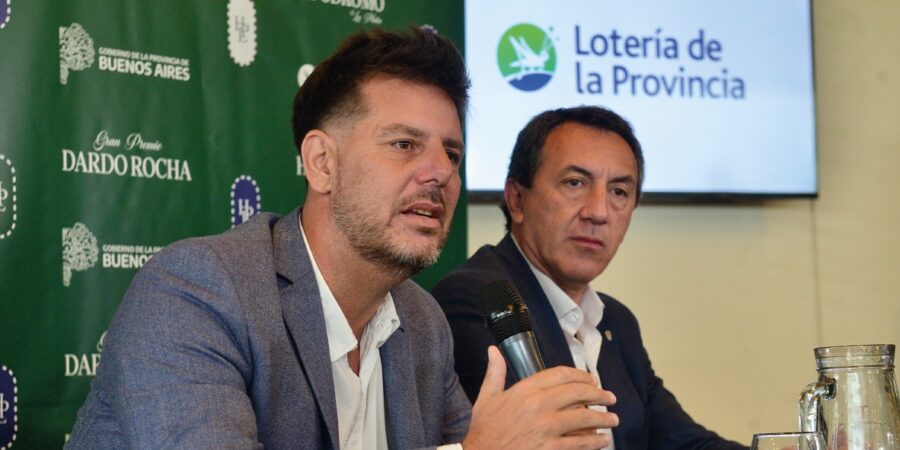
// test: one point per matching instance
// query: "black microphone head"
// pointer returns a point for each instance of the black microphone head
(503, 309)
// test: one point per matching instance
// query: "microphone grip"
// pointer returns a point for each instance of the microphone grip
(521, 353)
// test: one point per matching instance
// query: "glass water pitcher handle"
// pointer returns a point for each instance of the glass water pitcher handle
(810, 412)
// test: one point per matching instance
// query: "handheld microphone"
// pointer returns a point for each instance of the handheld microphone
(507, 317)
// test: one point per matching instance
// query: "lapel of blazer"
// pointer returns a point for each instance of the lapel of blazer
(301, 307)
(613, 374)
(550, 338)
(401, 409)
(609, 364)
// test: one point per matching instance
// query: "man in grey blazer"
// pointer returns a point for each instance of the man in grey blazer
(304, 331)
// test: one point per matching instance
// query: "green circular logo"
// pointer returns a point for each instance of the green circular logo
(526, 56)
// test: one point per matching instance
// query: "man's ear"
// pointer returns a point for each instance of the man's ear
(319, 153)
(512, 194)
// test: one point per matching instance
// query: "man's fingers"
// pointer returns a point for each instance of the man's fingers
(579, 394)
(573, 420)
(495, 377)
(560, 375)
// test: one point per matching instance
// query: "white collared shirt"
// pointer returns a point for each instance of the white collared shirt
(359, 398)
(579, 325)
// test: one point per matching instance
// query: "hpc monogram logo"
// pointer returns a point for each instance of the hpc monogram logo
(5, 12)
(8, 212)
(303, 73)
(245, 200)
(79, 250)
(76, 51)
(9, 408)
(242, 31)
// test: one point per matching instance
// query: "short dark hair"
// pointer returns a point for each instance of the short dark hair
(526, 154)
(332, 90)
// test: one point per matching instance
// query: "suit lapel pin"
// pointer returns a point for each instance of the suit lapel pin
(608, 335)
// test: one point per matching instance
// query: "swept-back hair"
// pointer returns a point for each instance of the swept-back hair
(526, 154)
(332, 90)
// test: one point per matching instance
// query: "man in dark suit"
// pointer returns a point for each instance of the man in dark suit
(574, 180)
(304, 331)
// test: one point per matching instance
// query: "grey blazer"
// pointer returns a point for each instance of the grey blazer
(220, 343)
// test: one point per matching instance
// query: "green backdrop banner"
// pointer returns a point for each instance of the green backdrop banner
(127, 125)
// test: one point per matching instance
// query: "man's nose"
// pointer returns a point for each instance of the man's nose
(436, 166)
(596, 205)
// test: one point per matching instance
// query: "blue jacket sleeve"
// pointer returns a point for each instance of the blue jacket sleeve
(176, 363)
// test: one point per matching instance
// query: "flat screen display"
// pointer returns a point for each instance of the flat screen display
(719, 92)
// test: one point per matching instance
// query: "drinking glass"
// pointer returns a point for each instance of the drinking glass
(788, 441)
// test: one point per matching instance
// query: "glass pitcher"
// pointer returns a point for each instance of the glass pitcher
(854, 404)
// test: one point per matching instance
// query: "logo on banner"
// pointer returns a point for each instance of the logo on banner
(8, 212)
(79, 251)
(117, 256)
(5, 12)
(358, 16)
(76, 51)
(367, 5)
(84, 364)
(242, 31)
(9, 408)
(526, 57)
(245, 200)
(361, 11)
(142, 162)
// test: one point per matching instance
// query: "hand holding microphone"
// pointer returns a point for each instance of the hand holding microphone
(543, 410)
(507, 317)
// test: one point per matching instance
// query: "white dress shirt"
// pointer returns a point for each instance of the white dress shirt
(359, 398)
(579, 325)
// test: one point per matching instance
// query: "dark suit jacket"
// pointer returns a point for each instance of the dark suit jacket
(220, 343)
(650, 417)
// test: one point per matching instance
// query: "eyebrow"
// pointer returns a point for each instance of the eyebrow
(628, 179)
(577, 169)
(399, 128)
(453, 143)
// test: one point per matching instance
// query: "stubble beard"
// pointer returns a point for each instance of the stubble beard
(373, 240)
